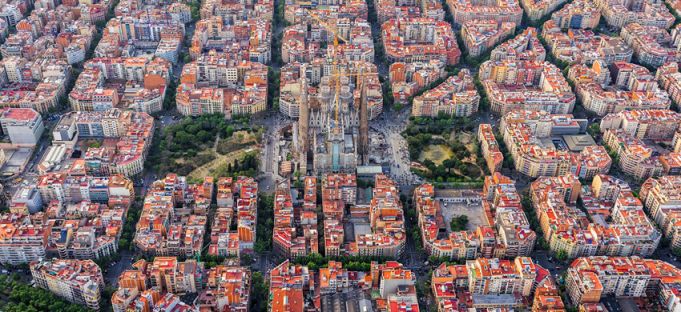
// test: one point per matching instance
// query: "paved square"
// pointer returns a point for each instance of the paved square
(474, 211)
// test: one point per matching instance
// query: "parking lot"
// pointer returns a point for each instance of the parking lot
(473, 210)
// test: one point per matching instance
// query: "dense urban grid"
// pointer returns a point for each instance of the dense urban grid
(340, 155)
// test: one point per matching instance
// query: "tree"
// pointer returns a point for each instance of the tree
(229, 131)
(195, 6)
(204, 136)
(459, 223)
(246, 259)
(542, 244)
(562, 255)
(265, 221)
(22, 297)
(259, 292)
(676, 252)
(123, 244)
(594, 129)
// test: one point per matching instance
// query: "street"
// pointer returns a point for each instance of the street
(269, 160)
(114, 271)
(391, 124)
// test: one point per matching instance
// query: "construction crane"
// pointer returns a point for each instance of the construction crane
(336, 75)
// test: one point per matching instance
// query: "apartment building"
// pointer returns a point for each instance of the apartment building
(84, 242)
(406, 79)
(454, 245)
(591, 278)
(78, 281)
(651, 124)
(389, 9)
(530, 85)
(584, 46)
(619, 14)
(662, 199)
(500, 11)
(525, 47)
(582, 14)
(148, 300)
(294, 238)
(288, 285)
(12, 12)
(669, 79)
(514, 237)
(386, 218)
(568, 229)
(481, 35)
(303, 42)
(135, 29)
(215, 83)
(20, 241)
(632, 87)
(536, 9)
(509, 233)
(498, 277)
(23, 126)
(174, 217)
(523, 131)
(334, 278)
(47, 79)
(445, 281)
(172, 276)
(630, 232)
(652, 45)
(547, 297)
(227, 288)
(456, 96)
(64, 44)
(338, 190)
(146, 82)
(494, 158)
(134, 131)
(83, 216)
(250, 39)
(26, 200)
(396, 286)
(298, 288)
(383, 215)
(237, 204)
(157, 285)
(635, 157)
(75, 187)
(419, 40)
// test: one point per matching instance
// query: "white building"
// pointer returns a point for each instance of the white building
(74, 54)
(11, 13)
(22, 125)
(29, 196)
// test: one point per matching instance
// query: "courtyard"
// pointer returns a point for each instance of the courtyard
(470, 206)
